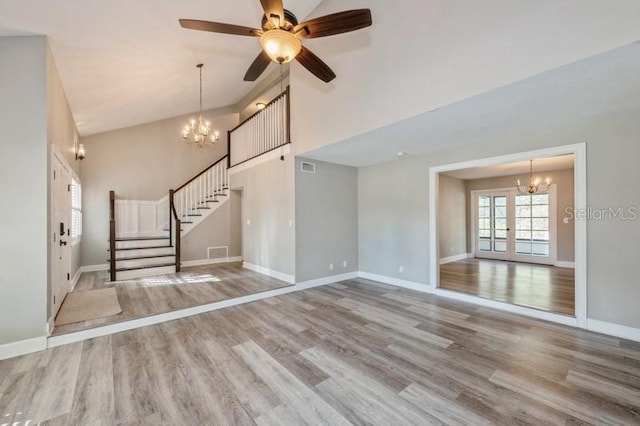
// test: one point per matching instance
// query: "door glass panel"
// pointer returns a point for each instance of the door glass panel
(532, 225)
(492, 223)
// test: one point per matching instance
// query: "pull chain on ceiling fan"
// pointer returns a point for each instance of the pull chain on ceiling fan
(281, 36)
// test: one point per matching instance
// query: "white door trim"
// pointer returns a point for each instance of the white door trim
(579, 150)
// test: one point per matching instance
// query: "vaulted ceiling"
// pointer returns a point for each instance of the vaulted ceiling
(126, 62)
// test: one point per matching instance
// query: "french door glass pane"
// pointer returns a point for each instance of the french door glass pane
(492, 223)
(532, 225)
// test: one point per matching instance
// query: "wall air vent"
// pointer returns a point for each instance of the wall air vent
(307, 167)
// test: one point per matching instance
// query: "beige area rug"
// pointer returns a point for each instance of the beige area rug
(88, 305)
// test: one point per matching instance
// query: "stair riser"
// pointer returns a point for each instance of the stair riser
(141, 273)
(144, 252)
(141, 244)
(143, 262)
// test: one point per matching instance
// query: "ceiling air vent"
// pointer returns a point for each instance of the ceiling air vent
(307, 167)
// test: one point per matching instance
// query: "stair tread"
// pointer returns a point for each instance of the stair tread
(141, 248)
(143, 257)
(160, 265)
(141, 238)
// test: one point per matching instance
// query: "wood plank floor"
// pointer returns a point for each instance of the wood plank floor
(193, 286)
(355, 352)
(543, 287)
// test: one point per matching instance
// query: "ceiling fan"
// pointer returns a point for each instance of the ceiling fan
(281, 35)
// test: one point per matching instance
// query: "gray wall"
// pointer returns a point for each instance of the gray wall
(563, 179)
(453, 216)
(61, 131)
(23, 185)
(327, 220)
(393, 208)
(268, 213)
(221, 228)
(140, 163)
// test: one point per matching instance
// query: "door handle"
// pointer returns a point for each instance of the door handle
(63, 243)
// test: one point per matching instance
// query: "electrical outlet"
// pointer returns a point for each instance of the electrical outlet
(401, 269)
(344, 263)
(290, 223)
(331, 266)
(248, 222)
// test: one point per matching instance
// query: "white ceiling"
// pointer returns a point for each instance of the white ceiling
(125, 62)
(601, 84)
(540, 165)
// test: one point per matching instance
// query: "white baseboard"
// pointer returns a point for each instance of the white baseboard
(613, 329)
(75, 279)
(95, 268)
(455, 258)
(23, 347)
(211, 261)
(327, 280)
(266, 271)
(424, 288)
(563, 264)
(508, 307)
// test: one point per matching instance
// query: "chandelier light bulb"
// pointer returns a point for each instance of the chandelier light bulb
(534, 184)
(198, 131)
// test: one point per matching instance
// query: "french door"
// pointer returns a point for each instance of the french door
(511, 226)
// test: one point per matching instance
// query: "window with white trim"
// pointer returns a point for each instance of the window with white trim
(76, 210)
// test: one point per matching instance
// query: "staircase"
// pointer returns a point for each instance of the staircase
(157, 250)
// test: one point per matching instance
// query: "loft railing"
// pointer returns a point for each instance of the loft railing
(264, 131)
(188, 200)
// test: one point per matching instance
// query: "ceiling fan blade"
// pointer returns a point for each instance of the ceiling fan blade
(273, 8)
(337, 23)
(217, 27)
(257, 67)
(315, 65)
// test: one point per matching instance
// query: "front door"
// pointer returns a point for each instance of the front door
(61, 234)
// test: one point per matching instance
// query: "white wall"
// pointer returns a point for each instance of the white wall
(140, 163)
(23, 187)
(420, 55)
(396, 232)
(326, 220)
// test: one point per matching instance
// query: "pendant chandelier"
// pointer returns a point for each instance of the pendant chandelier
(534, 184)
(198, 131)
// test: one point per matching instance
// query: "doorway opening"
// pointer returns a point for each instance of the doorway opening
(501, 245)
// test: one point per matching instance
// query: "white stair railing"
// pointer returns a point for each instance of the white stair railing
(264, 131)
(201, 191)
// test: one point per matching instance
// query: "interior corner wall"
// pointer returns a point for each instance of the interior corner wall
(394, 208)
(563, 179)
(452, 205)
(268, 214)
(140, 163)
(326, 220)
(23, 185)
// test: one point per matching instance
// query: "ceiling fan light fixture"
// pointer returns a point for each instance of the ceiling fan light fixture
(280, 45)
